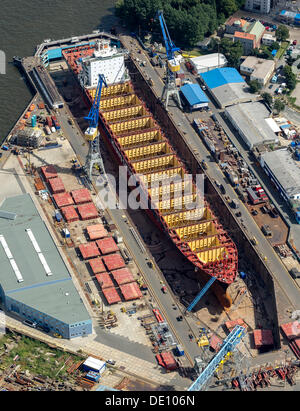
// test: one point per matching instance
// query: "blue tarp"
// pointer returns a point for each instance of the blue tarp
(194, 94)
(220, 76)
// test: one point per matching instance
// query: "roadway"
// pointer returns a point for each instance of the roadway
(247, 223)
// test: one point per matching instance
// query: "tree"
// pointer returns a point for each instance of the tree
(267, 98)
(282, 33)
(233, 51)
(290, 77)
(255, 86)
(279, 105)
(188, 21)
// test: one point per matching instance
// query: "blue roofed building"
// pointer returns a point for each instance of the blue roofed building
(226, 86)
(194, 96)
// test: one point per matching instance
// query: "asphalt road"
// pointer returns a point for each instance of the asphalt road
(280, 274)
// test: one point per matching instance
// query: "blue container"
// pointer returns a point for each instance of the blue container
(5, 148)
(33, 121)
(179, 351)
(242, 275)
(58, 216)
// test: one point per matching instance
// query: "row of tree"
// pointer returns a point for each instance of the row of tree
(188, 21)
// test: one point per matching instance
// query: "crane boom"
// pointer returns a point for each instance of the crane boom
(92, 134)
(93, 116)
(173, 65)
(229, 344)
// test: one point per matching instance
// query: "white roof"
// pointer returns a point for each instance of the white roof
(274, 127)
(209, 60)
(94, 363)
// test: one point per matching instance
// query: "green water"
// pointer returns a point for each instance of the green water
(25, 24)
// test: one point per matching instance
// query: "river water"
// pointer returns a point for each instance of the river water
(25, 24)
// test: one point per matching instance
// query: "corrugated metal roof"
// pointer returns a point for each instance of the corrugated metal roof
(194, 94)
(54, 295)
(220, 76)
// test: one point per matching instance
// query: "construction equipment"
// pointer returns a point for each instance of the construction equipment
(173, 65)
(228, 346)
(94, 157)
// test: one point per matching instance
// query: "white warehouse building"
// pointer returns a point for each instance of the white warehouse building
(107, 60)
(208, 62)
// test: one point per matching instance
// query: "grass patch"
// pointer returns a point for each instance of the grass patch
(34, 356)
(281, 51)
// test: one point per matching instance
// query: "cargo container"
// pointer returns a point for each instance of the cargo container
(113, 262)
(58, 216)
(107, 245)
(63, 199)
(55, 122)
(104, 280)
(131, 291)
(87, 211)
(81, 196)
(97, 265)
(252, 196)
(111, 295)
(96, 231)
(69, 214)
(56, 185)
(263, 338)
(49, 122)
(89, 250)
(122, 276)
(49, 172)
(32, 107)
(179, 350)
(53, 130)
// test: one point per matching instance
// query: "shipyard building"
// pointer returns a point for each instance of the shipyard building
(253, 123)
(284, 171)
(35, 283)
(226, 86)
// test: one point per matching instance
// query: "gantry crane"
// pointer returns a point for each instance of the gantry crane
(172, 66)
(92, 133)
(229, 344)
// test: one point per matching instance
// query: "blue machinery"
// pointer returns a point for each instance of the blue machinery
(92, 133)
(201, 293)
(229, 344)
(170, 88)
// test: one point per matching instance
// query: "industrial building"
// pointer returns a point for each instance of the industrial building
(226, 86)
(251, 37)
(35, 283)
(289, 17)
(194, 96)
(258, 69)
(201, 64)
(268, 39)
(258, 6)
(284, 171)
(252, 122)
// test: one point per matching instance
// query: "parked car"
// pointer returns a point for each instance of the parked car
(31, 324)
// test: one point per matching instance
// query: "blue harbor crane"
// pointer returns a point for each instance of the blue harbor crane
(228, 346)
(94, 157)
(172, 66)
